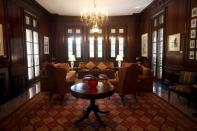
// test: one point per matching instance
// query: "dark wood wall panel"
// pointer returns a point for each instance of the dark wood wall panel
(13, 18)
(61, 22)
(177, 14)
(190, 64)
(176, 22)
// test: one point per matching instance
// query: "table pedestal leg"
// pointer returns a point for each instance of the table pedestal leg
(92, 107)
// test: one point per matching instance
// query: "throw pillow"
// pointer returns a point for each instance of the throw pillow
(90, 65)
(101, 66)
(187, 77)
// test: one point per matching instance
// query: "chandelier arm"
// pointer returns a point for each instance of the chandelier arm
(94, 17)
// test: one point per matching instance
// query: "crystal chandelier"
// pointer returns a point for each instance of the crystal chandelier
(94, 17)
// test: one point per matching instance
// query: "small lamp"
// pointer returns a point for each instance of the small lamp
(72, 59)
(119, 58)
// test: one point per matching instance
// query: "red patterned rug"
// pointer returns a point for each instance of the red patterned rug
(150, 113)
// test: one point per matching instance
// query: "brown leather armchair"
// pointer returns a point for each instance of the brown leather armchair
(57, 84)
(126, 82)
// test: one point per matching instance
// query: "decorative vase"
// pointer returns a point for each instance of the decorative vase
(92, 82)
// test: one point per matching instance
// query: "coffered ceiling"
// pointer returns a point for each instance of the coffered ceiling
(113, 7)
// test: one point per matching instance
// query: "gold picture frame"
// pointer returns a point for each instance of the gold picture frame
(144, 45)
(1, 41)
(174, 42)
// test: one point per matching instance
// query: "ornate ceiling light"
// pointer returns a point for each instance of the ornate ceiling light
(94, 17)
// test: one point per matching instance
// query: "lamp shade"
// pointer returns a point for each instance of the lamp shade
(119, 58)
(72, 58)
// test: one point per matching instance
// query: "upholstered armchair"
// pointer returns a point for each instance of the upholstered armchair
(144, 79)
(184, 86)
(70, 78)
(126, 81)
(56, 78)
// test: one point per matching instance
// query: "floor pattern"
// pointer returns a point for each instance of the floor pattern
(150, 113)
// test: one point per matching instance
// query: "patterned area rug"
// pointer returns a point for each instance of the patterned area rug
(150, 113)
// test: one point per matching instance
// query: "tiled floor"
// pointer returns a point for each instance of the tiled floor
(180, 103)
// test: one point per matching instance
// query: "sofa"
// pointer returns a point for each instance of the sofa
(96, 68)
(185, 86)
(70, 78)
(144, 80)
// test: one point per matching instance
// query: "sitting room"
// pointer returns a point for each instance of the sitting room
(98, 65)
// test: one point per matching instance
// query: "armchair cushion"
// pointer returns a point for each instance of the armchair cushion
(71, 76)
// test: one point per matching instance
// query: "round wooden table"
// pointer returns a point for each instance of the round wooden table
(84, 91)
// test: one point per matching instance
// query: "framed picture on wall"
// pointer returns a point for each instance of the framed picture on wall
(191, 55)
(193, 23)
(192, 44)
(1, 41)
(46, 45)
(194, 12)
(174, 42)
(193, 33)
(144, 45)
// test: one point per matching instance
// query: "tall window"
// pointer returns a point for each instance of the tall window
(100, 47)
(74, 42)
(157, 45)
(32, 46)
(91, 47)
(117, 42)
(96, 44)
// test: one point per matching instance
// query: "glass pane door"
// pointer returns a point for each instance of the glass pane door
(32, 50)
(157, 53)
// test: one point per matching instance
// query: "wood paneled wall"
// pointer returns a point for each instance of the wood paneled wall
(12, 17)
(59, 24)
(177, 14)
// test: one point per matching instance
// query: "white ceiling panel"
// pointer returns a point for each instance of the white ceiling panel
(113, 7)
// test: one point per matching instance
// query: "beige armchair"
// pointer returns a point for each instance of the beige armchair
(56, 78)
(126, 82)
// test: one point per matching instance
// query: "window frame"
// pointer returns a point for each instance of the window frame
(117, 34)
(96, 36)
(33, 30)
(74, 35)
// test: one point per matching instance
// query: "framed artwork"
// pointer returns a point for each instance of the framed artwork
(1, 41)
(194, 12)
(193, 23)
(193, 33)
(46, 45)
(144, 45)
(191, 55)
(174, 42)
(192, 44)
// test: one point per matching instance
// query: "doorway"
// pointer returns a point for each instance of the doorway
(157, 45)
